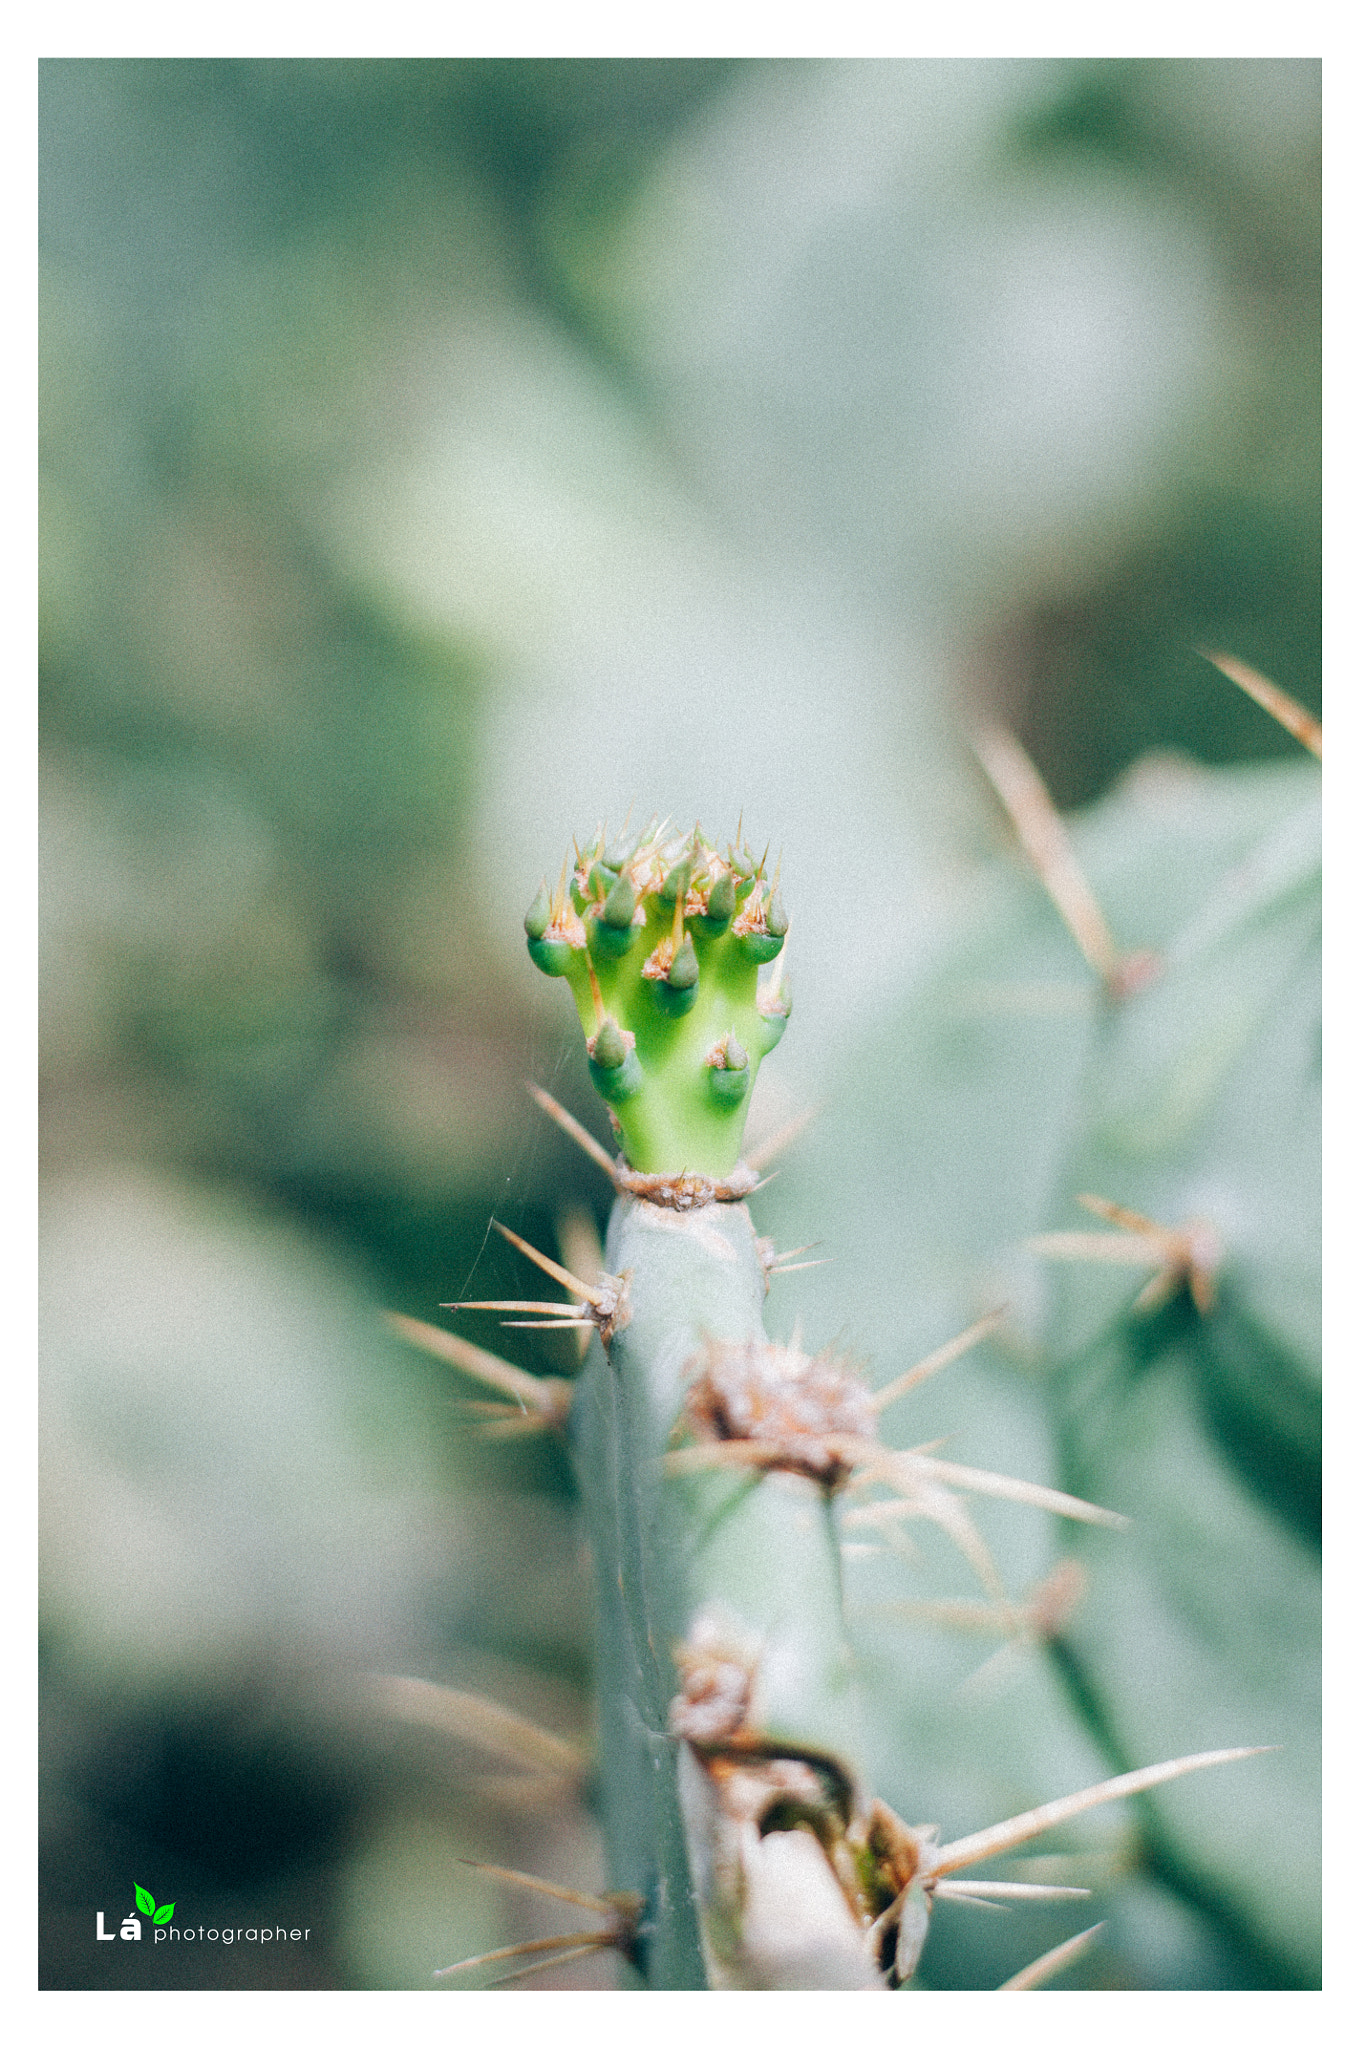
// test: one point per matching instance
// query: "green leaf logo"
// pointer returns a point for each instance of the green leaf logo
(163, 1913)
(145, 1902)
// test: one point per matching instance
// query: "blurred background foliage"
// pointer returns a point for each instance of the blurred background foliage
(438, 456)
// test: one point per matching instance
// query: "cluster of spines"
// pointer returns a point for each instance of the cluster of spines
(661, 938)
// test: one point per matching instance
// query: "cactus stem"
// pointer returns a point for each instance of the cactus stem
(937, 1360)
(1044, 837)
(550, 1399)
(1052, 1961)
(1281, 706)
(1008, 1834)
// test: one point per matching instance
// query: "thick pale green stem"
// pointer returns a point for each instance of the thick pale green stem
(738, 1567)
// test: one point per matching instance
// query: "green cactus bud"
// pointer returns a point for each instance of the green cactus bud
(776, 919)
(729, 1087)
(611, 926)
(610, 1046)
(539, 912)
(657, 1014)
(677, 994)
(619, 905)
(614, 1065)
(684, 972)
(551, 956)
(677, 881)
(729, 1071)
(721, 906)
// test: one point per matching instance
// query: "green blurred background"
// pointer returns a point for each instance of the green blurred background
(437, 458)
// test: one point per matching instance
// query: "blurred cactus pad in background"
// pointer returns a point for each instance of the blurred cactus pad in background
(440, 457)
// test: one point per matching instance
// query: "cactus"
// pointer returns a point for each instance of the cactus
(1172, 1345)
(741, 1706)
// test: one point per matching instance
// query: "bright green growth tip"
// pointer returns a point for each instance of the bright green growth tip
(661, 938)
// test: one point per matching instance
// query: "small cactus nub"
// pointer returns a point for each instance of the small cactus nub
(660, 938)
(537, 915)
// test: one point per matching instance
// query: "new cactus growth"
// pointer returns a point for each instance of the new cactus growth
(720, 1469)
(661, 942)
